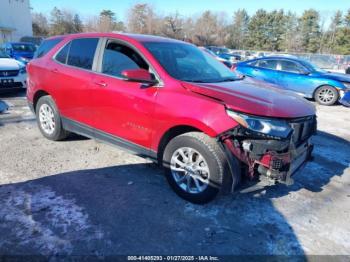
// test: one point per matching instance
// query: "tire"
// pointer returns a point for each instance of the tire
(49, 120)
(211, 173)
(326, 95)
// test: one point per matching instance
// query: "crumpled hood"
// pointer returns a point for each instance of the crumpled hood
(337, 76)
(255, 97)
(10, 64)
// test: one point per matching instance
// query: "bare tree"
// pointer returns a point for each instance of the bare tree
(172, 26)
(40, 24)
(209, 29)
(142, 20)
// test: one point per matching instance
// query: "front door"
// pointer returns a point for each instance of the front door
(123, 109)
(294, 77)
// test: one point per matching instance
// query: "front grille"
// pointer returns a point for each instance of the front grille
(11, 85)
(8, 73)
(303, 129)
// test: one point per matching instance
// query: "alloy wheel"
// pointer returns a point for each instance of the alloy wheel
(190, 170)
(326, 95)
(47, 119)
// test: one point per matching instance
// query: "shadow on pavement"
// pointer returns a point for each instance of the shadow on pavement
(129, 209)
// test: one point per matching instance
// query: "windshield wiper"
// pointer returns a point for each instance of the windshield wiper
(231, 79)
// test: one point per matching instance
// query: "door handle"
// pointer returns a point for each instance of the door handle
(55, 70)
(103, 84)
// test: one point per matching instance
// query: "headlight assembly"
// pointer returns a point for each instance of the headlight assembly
(23, 70)
(270, 127)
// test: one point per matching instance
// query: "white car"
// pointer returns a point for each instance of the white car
(13, 73)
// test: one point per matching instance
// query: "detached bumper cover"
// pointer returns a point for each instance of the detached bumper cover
(345, 98)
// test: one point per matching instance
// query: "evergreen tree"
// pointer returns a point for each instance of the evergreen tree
(239, 29)
(310, 30)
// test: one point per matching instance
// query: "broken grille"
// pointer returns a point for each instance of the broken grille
(303, 129)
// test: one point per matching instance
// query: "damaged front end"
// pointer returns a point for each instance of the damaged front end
(269, 147)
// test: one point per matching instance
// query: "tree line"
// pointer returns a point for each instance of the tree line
(275, 30)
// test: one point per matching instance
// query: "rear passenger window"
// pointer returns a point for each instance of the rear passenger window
(46, 47)
(269, 64)
(62, 55)
(82, 52)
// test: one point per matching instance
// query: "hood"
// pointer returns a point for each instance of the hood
(336, 76)
(255, 97)
(10, 64)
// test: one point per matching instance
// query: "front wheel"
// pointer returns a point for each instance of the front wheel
(195, 167)
(326, 95)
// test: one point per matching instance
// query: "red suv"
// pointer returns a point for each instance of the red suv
(168, 101)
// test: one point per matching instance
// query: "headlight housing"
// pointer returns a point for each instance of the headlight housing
(23, 70)
(272, 128)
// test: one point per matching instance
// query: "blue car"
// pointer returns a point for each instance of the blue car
(301, 77)
(20, 51)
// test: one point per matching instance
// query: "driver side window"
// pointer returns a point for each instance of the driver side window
(118, 57)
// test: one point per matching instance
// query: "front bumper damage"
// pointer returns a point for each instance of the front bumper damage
(277, 159)
(345, 98)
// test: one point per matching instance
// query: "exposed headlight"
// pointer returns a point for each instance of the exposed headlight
(23, 70)
(270, 127)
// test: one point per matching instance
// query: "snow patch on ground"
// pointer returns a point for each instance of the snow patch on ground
(43, 220)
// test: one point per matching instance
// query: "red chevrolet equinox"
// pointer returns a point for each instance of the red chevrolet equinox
(168, 101)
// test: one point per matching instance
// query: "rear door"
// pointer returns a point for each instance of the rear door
(71, 74)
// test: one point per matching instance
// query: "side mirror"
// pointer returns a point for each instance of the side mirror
(138, 75)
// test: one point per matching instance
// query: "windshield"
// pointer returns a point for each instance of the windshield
(23, 47)
(3, 55)
(313, 67)
(188, 63)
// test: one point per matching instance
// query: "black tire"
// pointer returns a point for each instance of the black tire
(327, 101)
(58, 132)
(216, 161)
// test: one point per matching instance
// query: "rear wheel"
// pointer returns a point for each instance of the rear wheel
(196, 167)
(49, 120)
(326, 95)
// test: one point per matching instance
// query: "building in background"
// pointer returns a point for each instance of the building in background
(15, 20)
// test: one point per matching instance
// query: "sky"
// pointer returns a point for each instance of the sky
(87, 8)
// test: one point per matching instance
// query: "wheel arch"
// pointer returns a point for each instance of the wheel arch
(170, 134)
(36, 97)
(330, 85)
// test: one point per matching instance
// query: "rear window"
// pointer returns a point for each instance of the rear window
(82, 52)
(62, 54)
(46, 46)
